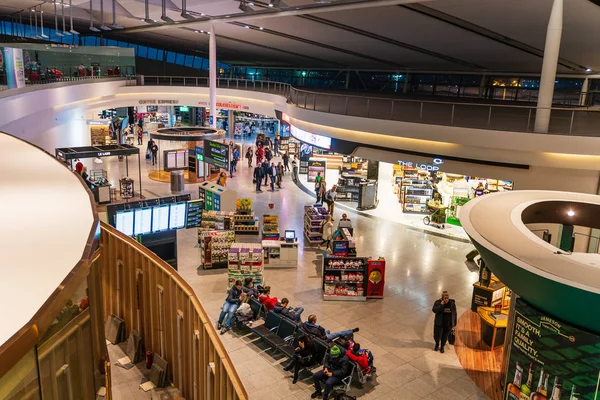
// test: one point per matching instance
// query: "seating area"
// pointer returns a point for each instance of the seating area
(281, 334)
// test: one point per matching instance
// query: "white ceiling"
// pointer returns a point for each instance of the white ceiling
(443, 35)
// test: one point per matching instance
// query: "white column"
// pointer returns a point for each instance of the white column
(212, 55)
(549, 65)
(584, 92)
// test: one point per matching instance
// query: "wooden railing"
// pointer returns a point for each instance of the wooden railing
(151, 297)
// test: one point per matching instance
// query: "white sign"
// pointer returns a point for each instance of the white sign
(433, 167)
(98, 122)
(323, 142)
(159, 102)
(15, 68)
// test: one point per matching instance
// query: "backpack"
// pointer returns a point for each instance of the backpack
(344, 396)
(371, 359)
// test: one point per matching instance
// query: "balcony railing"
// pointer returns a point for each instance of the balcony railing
(564, 121)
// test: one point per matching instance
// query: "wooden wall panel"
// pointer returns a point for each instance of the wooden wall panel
(197, 344)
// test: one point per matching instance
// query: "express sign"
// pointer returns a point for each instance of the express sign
(433, 167)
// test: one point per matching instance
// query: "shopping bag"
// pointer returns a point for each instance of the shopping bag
(451, 338)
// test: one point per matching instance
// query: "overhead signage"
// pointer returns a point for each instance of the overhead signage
(433, 167)
(15, 71)
(141, 102)
(323, 142)
(104, 153)
(216, 153)
(227, 105)
(96, 122)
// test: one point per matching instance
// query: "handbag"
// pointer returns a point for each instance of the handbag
(451, 338)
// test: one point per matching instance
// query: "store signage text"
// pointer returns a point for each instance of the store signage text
(433, 167)
(220, 104)
(104, 153)
(159, 102)
(98, 122)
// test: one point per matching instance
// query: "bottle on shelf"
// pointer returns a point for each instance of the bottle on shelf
(555, 390)
(513, 391)
(542, 388)
(526, 387)
(485, 275)
(573, 394)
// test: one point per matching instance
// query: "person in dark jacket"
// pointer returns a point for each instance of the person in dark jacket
(258, 175)
(232, 302)
(286, 161)
(304, 354)
(445, 320)
(273, 173)
(265, 168)
(284, 309)
(311, 327)
(335, 368)
(249, 288)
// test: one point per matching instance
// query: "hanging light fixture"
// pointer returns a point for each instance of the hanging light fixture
(98, 160)
(184, 12)
(164, 16)
(56, 21)
(277, 3)
(73, 31)
(147, 11)
(92, 27)
(245, 6)
(43, 35)
(62, 9)
(102, 26)
(30, 25)
(114, 13)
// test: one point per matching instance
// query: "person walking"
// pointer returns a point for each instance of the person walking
(445, 320)
(329, 198)
(286, 161)
(140, 134)
(322, 190)
(154, 150)
(258, 175)
(259, 154)
(265, 167)
(268, 154)
(303, 356)
(279, 175)
(236, 158)
(249, 155)
(273, 173)
(276, 146)
(327, 232)
(318, 180)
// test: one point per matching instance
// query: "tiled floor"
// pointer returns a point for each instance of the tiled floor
(397, 329)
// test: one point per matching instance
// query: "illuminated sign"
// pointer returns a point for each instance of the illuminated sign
(98, 122)
(159, 102)
(433, 167)
(104, 153)
(323, 142)
(226, 105)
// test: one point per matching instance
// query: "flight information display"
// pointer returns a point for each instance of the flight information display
(143, 221)
(177, 216)
(124, 222)
(160, 218)
(194, 213)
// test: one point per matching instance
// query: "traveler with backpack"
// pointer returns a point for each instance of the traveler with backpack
(335, 368)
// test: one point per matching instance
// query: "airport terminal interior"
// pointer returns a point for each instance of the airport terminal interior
(299, 199)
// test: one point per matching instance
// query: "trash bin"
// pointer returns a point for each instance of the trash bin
(177, 181)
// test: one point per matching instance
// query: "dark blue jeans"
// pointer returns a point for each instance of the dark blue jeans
(330, 382)
(229, 311)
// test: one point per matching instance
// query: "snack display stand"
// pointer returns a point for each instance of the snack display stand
(245, 223)
(344, 245)
(314, 217)
(215, 247)
(215, 221)
(245, 260)
(270, 228)
(345, 278)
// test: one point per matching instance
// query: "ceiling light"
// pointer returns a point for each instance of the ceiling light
(114, 13)
(73, 31)
(250, 3)
(163, 16)
(588, 70)
(202, 14)
(277, 3)
(196, 31)
(247, 27)
(261, 28)
(244, 7)
(184, 12)
(570, 213)
(98, 160)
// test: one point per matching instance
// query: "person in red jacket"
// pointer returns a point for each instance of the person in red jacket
(359, 356)
(266, 299)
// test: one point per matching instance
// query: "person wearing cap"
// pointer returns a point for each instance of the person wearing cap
(335, 368)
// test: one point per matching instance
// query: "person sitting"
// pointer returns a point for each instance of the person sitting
(284, 309)
(267, 300)
(359, 356)
(303, 356)
(335, 368)
(344, 222)
(232, 302)
(310, 326)
(249, 288)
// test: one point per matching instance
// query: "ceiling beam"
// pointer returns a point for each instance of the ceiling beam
(272, 12)
(391, 41)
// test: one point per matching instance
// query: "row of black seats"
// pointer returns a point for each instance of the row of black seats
(282, 333)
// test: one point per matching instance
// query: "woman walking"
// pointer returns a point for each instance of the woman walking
(327, 232)
(249, 155)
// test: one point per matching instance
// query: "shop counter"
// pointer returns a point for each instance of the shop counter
(487, 296)
(280, 253)
(493, 326)
(101, 193)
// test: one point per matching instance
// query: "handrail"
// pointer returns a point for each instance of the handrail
(108, 231)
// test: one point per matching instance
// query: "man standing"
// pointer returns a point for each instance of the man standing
(335, 368)
(154, 152)
(265, 167)
(258, 175)
(273, 173)
(445, 320)
(330, 199)
(276, 146)
(286, 161)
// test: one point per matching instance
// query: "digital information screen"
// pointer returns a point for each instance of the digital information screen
(124, 222)
(160, 218)
(143, 221)
(194, 213)
(177, 216)
(216, 153)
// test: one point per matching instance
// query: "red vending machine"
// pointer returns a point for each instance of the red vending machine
(376, 279)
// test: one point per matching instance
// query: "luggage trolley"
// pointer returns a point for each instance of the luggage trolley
(437, 217)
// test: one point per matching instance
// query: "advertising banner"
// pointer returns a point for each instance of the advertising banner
(15, 68)
(216, 153)
(550, 359)
(376, 279)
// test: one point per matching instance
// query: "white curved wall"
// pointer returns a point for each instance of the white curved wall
(55, 116)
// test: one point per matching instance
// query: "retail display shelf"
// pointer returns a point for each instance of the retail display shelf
(344, 298)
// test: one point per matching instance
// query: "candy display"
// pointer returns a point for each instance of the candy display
(344, 278)
(215, 247)
(245, 222)
(245, 260)
(313, 219)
